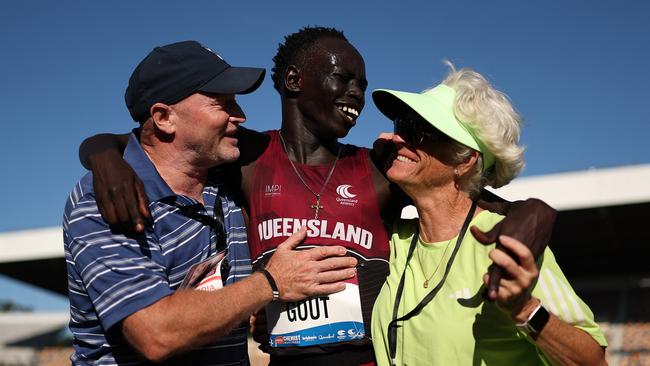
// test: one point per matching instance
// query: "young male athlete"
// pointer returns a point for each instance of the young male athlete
(302, 176)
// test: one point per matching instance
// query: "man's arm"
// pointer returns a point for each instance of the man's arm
(561, 342)
(190, 318)
(119, 192)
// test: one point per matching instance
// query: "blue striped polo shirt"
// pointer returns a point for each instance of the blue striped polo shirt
(111, 276)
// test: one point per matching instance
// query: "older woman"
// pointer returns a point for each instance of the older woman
(450, 141)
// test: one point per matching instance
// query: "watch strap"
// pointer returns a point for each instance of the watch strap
(536, 321)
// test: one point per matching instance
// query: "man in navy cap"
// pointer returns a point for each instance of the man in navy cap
(136, 299)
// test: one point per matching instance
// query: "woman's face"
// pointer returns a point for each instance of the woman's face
(423, 156)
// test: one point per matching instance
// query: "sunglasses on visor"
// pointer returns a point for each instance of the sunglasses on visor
(415, 130)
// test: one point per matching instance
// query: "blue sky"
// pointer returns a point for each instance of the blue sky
(576, 70)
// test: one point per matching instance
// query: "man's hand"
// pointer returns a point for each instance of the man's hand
(530, 222)
(313, 272)
(119, 193)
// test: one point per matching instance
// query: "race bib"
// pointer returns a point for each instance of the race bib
(320, 320)
(206, 275)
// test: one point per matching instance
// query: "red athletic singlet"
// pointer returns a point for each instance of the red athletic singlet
(349, 216)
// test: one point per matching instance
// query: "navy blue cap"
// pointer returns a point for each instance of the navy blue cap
(173, 72)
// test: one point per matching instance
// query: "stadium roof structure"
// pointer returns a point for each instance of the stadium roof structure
(585, 189)
(25, 328)
(600, 227)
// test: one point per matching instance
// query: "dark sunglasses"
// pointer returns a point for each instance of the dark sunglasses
(415, 130)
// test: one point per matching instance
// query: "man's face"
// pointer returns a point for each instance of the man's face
(333, 84)
(206, 126)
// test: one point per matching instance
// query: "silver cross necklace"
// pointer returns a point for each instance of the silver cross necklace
(317, 206)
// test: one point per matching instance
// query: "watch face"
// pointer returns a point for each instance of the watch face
(539, 320)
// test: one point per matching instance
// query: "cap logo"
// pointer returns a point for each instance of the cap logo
(211, 51)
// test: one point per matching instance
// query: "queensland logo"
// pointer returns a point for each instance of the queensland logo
(272, 190)
(345, 197)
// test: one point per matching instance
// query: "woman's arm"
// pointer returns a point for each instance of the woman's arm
(561, 342)
(119, 192)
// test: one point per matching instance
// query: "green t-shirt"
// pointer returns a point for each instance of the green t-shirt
(457, 327)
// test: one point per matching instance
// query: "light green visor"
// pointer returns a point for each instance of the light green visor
(436, 106)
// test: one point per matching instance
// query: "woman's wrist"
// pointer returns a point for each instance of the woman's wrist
(524, 313)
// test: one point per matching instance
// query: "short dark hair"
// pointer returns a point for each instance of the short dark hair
(295, 45)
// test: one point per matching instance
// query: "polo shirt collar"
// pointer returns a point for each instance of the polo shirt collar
(154, 186)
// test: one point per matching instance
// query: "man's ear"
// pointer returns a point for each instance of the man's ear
(292, 80)
(161, 114)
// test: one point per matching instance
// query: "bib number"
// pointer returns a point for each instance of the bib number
(320, 320)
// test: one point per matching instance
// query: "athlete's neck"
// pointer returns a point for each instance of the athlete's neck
(303, 146)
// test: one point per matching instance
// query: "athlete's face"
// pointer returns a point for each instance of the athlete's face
(333, 84)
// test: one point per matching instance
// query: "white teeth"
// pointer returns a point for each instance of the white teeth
(350, 110)
(405, 159)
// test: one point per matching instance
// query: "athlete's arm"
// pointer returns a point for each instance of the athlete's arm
(390, 197)
(118, 190)
(531, 222)
(190, 318)
(252, 145)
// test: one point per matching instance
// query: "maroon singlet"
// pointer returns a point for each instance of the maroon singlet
(279, 202)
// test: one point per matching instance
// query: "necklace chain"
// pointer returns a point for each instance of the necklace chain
(317, 206)
(425, 284)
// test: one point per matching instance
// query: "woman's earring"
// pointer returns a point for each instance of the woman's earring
(456, 172)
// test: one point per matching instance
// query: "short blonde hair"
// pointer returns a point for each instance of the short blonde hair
(494, 121)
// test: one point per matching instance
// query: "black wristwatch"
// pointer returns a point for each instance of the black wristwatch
(535, 322)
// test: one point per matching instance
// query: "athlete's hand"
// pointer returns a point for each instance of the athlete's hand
(258, 329)
(313, 272)
(119, 192)
(382, 149)
(518, 276)
(530, 222)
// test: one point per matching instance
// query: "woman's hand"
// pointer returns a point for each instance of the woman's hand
(519, 275)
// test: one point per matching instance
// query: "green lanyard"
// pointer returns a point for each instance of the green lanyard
(392, 326)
